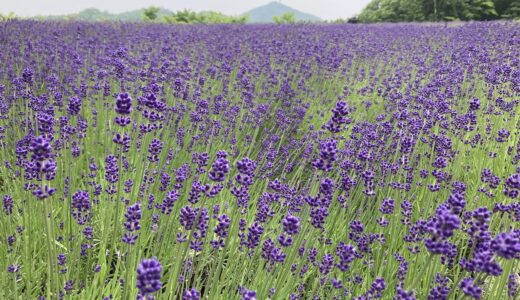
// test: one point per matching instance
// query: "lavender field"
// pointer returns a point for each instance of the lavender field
(148, 161)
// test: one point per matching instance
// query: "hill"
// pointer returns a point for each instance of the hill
(265, 13)
(94, 14)
(261, 14)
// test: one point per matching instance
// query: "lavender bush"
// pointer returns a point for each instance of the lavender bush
(144, 161)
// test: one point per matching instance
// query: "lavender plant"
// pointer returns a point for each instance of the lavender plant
(148, 161)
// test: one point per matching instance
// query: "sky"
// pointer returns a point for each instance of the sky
(325, 9)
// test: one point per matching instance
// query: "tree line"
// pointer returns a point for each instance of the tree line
(438, 10)
(187, 16)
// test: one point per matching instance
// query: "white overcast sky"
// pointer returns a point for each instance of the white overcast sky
(325, 9)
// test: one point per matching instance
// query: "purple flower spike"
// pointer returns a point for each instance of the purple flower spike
(219, 169)
(149, 276)
(192, 294)
(291, 224)
(471, 290)
(507, 244)
(123, 104)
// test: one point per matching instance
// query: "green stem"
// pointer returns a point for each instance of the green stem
(50, 248)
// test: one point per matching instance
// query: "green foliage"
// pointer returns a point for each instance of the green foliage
(210, 17)
(438, 10)
(150, 13)
(337, 21)
(182, 17)
(478, 10)
(512, 11)
(392, 11)
(9, 16)
(213, 17)
(286, 18)
(153, 14)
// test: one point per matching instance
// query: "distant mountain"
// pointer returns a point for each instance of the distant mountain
(265, 13)
(261, 14)
(94, 14)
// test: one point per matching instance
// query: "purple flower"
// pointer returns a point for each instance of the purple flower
(377, 287)
(62, 259)
(387, 206)
(346, 254)
(88, 232)
(456, 202)
(8, 204)
(512, 186)
(247, 294)
(132, 224)
(80, 207)
(246, 166)
(403, 294)
(356, 226)
(339, 113)
(123, 140)
(74, 106)
(192, 294)
(326, 264)
(202, 223)
(507, 244)
(27, 75)
(512, 285)
(154, 149)
(470, 289)
(41, 149)
(187, 217)
(337, 284)
(122, 121)
(318, 216)
(285, 240)
(223, 225)
(123, 104)
(503, 135)
(133, 216)
(13, 268)
(111, 169)
(441, 291)
(44, 192)
(443, 223)
(149, 276)
(327, 155)
(253, 237)
(291, 224)
(169, 201)
(219, 169)
(474, 104)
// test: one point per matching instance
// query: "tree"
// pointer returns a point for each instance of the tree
(478, 10)
(240, 19)
(212, 17)
(208, 17)
(183, 17)
(511, 10)
(150, 13)
(438, 10)
(286, 18)
(372, 12)
(92, 15)
(9, 16)
(392, 11)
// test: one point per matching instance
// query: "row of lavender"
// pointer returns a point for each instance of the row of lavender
(255, 162)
